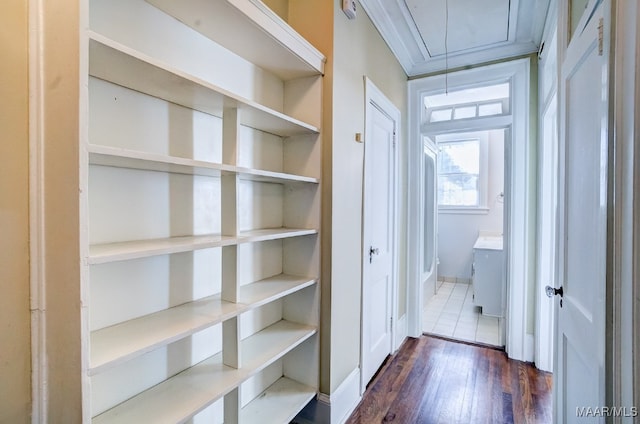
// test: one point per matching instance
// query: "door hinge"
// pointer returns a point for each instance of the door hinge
(600, 37)
(394, 139)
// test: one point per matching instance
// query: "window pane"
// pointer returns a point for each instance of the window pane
(464, 112)
(490, 109)
(441, 115)
(458, 190)
(458, 173)
(459, 157)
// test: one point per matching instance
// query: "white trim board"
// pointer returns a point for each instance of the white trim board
(400, 332)
(337, 407)
(519, 238)
(39, 388)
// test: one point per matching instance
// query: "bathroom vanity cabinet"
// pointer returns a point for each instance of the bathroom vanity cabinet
(488, 275)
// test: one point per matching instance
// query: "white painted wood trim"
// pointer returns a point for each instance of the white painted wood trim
(518, 239)
(545, 315)
(375, 96)
(401, 332)
(291, 56)
(39, 389)
(626, 262)
(414, 206)
(343, 401)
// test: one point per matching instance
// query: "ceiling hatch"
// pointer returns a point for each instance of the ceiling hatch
(431, 35)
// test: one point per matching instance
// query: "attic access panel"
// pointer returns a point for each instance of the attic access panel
(472, 25)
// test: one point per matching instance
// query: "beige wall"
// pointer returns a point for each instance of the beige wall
(61, 128)
(15, 362)
(359, 51)
(364, 53)
(281, 7)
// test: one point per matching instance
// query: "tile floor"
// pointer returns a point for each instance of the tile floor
(451, 313)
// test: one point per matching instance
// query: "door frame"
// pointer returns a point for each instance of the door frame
(375, 97)
(547, 103)
(520, 193)
(430, 148)
(623, 279)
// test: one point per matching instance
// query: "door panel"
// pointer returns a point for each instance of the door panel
(583, 222)
(378, 252)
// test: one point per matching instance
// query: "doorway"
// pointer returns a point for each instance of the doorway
(512, 117)
(467, 302)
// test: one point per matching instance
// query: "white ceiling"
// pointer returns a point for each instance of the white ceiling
(432, 35)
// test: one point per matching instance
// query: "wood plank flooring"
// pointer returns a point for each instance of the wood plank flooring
(432, 380)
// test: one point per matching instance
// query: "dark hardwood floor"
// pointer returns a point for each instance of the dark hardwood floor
(432, 380)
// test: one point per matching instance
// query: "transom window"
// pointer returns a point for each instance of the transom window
(492, 100)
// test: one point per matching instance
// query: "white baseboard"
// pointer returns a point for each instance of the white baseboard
(337, 407)
(401, 332)
(529, 347)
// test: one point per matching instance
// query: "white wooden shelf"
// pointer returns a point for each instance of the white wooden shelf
(267, 40)
(281, 402)
(273, 234)
(122, 65)
(133, 159)
(136, 249)
(267, 346)
(116, 344)
(273, 177)
(187, 393)
(272, 288)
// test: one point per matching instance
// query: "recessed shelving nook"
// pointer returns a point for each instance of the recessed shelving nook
(201, 213)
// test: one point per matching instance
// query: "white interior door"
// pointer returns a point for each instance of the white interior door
(580, 338)
(378, 239)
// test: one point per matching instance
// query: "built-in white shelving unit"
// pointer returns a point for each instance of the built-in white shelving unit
(201, 251)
